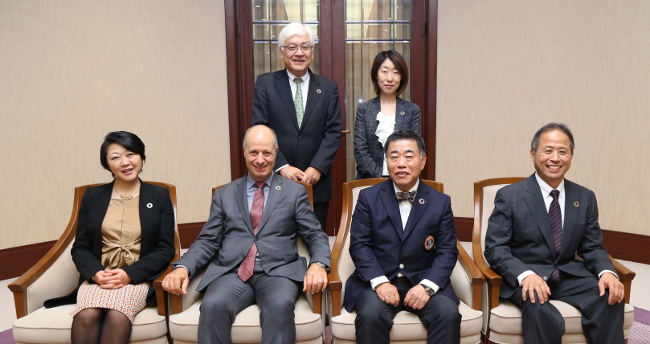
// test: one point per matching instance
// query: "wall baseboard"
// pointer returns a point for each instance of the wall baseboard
(16, 260)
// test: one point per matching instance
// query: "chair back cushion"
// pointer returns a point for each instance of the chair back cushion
(489, 193)
(346, 265)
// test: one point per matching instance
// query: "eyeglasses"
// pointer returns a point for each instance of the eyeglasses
(293, 48)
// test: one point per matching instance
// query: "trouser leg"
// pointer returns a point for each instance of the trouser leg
(540, 323)
(276, 297)
(374, 318)
(601, 323)
(223, 299)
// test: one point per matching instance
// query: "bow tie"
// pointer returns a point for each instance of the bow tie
(410, 196)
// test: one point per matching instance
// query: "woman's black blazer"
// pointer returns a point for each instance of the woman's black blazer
(157, 241)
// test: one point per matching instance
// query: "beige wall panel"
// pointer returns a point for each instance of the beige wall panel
(73, 71)
(505, 68)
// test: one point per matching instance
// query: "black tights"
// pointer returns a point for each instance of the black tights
(100, 325)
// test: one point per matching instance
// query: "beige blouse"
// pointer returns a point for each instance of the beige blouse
(121, 233)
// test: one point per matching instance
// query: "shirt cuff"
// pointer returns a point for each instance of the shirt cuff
(610, 271)
(181, 266)
(277, 170)
(523, 275)
(377, 281)
(431, 285)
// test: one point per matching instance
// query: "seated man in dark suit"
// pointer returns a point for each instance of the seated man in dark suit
(534, 233)
(403, 244)
(249, 247)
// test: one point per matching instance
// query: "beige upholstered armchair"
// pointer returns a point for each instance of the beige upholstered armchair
(56, 275)
(503, 318)
(184, 321)
(466, 280)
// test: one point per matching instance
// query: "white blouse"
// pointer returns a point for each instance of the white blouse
(385, 127)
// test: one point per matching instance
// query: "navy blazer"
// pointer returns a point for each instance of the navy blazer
(519, 235)
(368, 151)
(315, 143)
(379, 246)
(156, 244)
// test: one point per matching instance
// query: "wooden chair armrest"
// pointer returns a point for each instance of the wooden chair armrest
(161, 295)
(335, 286)
(474, 273)
(317, 302)
(21, 284)
(626, 275)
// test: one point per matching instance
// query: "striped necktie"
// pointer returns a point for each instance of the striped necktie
(555, 217)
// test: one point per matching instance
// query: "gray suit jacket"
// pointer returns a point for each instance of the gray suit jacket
(315, 143)
(519, 235)
(368, 151)
(227, 236)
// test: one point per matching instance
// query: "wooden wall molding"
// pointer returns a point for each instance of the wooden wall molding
(16, 260)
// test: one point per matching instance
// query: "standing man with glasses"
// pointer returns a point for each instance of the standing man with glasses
(304, 111)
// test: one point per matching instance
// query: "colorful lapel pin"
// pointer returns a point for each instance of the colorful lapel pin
(576, 204)
(277, 187)
(421, 200)
(318, 90)
(402, 113)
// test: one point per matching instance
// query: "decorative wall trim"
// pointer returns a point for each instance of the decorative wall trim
(626, 246)
(16, 260)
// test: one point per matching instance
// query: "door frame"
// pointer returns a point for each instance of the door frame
(239, 55)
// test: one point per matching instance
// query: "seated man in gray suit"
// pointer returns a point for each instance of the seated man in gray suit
(534, 233)
(249, 247)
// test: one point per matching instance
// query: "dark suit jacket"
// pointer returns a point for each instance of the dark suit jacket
(519, 235)
(227, 236)
(316, 142)
(156, 245)
(368, 151)
(378, 245)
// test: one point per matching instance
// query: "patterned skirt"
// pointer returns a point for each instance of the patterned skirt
(129, 300)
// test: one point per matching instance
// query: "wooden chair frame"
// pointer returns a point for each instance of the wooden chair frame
(335, 282)
(19, 286)
(492, 279)
(177, 301)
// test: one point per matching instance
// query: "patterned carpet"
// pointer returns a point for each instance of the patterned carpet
(639, 333)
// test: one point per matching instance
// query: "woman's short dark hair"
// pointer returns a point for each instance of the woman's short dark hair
(125, 139)
(400, 64)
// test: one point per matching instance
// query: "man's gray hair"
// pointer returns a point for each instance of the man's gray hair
(552, 126)
(295, 29)
(275, 138)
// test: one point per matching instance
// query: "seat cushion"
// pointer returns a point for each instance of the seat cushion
(52, 325)
(407, 326)
(184, 326)
(505, 322)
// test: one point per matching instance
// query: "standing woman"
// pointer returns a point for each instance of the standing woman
(124, 241)
(380, 116)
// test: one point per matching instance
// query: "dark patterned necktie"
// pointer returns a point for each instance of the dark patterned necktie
(257, 208)
(555, 217)
(403, 195)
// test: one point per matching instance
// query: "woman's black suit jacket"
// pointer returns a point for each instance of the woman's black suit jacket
(157, 242)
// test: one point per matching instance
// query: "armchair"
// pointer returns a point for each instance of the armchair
(56, 275)
(466, 280)
(502, 321)
(184, 321)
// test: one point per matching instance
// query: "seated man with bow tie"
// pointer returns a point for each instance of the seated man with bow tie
(249, 247)
(534, 233)
(403, 244)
